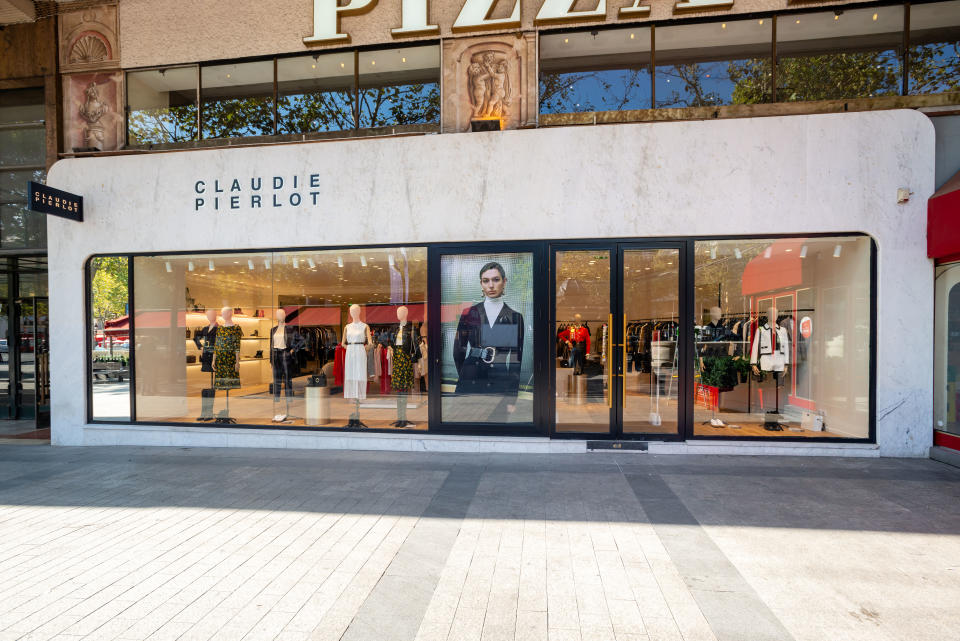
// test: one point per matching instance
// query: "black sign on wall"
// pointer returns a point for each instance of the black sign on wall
(48, 200)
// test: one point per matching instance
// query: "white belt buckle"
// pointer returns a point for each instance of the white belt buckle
(483, 354)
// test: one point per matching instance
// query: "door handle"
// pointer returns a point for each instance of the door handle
(623, 370)
(612, 376)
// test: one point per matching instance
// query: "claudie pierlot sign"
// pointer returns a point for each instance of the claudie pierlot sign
(258, 192)
(475, 15)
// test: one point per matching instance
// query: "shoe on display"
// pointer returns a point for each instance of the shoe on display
(279, 418)
(716, 422)
(408, 425)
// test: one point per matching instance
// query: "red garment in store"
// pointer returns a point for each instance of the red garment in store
(384, 376)
(576, 335)
(338, 357)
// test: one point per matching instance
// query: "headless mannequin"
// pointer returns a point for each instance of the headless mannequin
(777, 370)
(402, 314)
(355, 317)
(207, 395)
(577, 353)
(281, 373)
(227, 315)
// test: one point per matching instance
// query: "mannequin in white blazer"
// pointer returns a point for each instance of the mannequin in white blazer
(771, 346)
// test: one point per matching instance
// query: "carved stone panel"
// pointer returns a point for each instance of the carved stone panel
(490, 78)
(92, 111)
(88, 39)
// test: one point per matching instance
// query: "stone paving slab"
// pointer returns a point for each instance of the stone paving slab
(201, 544)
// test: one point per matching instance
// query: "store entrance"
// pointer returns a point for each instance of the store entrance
(618, 340)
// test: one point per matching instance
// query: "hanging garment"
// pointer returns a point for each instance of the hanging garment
(339, 354)
(771, 348)
(383, 364)
(205, 339)
(355, 362)
(226, 351)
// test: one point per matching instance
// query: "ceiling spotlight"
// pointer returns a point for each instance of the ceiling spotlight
(312, 264)
(737, 252)
(210, 264)
(363, 261)
(190, 265)
(803, 252)
(296, 263)
(340, 261)
(250, 263)
(836, 251)
(168, 266)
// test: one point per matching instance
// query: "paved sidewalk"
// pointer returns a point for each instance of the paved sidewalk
(191, 545)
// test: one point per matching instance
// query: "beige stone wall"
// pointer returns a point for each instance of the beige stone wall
(160, 32)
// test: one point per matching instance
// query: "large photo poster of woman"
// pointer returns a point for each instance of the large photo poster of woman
(487, 363)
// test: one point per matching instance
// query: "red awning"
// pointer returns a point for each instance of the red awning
(779, 266)
(117, 326)
(943, 220)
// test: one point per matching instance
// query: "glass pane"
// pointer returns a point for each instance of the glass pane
(400, 86)
(23, 146)
(583, 366)
(487, 364)
(595, 71)
(21, 228)
(798, 311)
(41, 355)
(316, 93)
(846, 53)
(934, 47)
(27, 383)
(237, 99)
(714, 63)
(946, 389)
(263, 338)
(6, 400)
(651, 298)
(162, 105)
(13, 185)
(21, 105)
(33, 276)
(111, 338)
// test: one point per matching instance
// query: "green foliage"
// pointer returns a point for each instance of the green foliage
(108, 287)
(935, 68)
(719, 371)
(411, 104)
(234, 117)
(163, 125)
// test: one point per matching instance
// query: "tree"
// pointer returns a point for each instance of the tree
(108, 288)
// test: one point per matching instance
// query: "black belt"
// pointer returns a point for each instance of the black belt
(363, 343)
(485, 354)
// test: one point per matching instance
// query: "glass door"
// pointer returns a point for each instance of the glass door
(619, 346)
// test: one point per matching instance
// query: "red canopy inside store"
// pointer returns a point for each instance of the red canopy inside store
(779, 266)
(387, 314)
(943, 221)
(314, 316)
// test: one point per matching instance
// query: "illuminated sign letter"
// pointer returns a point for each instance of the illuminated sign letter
(414, 16)
(562, 11)
(475, 14)
(326, 19)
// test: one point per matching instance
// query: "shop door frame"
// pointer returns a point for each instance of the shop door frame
(684, 348)
(15, 361)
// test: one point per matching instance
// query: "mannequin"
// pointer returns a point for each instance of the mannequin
(356, 340)
(226, 364)
(715, 331)
(771, 351)
(205, 339)
(405, 353)
(578, 339)
(284, 343)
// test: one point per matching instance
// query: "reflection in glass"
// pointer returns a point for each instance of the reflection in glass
(946, 395)
(110, 342)
(846, 53)
(487, 364)
(237, 99)
(162, 105)
(782, 334)
(715, 63)
(258, 338)
(399, 86)
(315, 93)
(651, 298)
(934, 47)
(584, 364)
(595, 71)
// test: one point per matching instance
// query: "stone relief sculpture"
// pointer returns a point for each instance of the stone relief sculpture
(92, 111)
(88, 49)
(489, 85)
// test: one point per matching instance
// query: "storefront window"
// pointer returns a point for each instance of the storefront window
(237, 99)
(23, 149)
(782, 333)
(315, 93)
(844, 53)
(934, 47)
(399, 86)
(595, 71)
(715, 63)
(946, 395)
(299, 338)
(162, 105)
(486, 321)
(110, 338)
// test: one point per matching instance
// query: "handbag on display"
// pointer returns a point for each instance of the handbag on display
(811, 421)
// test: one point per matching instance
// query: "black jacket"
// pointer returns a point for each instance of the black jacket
(205, 339)
(502, 375)
(292, 339)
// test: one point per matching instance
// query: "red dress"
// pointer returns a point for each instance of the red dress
(338, 357)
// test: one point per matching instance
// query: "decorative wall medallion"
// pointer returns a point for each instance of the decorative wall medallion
(88, 39)
(489, 85)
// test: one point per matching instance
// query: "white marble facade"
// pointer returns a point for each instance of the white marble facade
(796, 174)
